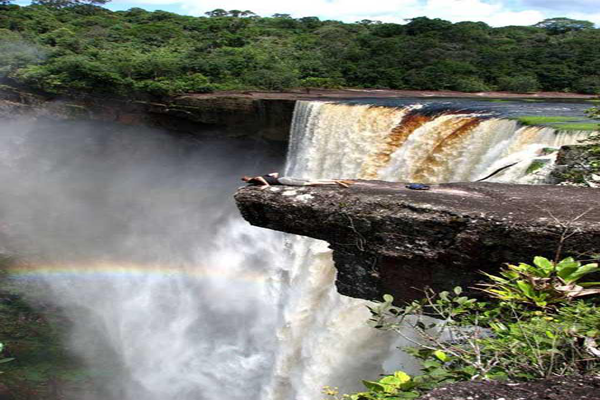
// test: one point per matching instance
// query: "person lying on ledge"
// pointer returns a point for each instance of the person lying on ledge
(272, 179)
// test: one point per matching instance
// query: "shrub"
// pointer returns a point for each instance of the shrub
(470, 84)
(194, 83)
(533, 326)
(588, 85)
(544, 283)
(72, 73)
(519, 84)
(324, 83)
(278, 78)
(15, 53)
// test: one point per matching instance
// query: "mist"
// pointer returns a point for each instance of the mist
(134, 235)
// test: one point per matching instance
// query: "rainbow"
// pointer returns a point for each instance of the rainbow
(128, 270)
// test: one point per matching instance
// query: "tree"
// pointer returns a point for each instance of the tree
(248, 13)
(588, 85)
(219, 12)
(424, 25)
(310, 22)
(68, 3)
(125, 51)
(519, 84)
(369, 22)
(16, 53)
(563, 25)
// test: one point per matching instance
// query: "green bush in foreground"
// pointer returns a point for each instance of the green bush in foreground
(535, 325)
(544, 283)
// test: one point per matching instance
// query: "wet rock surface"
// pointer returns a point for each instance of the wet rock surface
(560, 388)
(390, 239)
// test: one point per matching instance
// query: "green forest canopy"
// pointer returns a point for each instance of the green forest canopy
(71, 46)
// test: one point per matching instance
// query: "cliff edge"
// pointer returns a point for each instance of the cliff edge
(215, 116)
(389, 239)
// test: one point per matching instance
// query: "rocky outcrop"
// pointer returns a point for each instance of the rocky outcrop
(570, 387)
(573, 165)
(209, 116)
(389, 239)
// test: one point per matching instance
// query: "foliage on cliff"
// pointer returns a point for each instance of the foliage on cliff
(40, 365)
(582, 162)
(88, 48)
(542, 321)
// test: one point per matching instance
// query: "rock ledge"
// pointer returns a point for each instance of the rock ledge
(389, 239)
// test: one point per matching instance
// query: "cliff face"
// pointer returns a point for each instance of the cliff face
(210, 116)
(389, 239)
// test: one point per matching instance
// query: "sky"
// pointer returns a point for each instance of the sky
(493, 12)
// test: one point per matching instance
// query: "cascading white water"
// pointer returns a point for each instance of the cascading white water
(133, 234)
(172, 295)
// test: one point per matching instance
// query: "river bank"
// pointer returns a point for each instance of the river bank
(316, 94)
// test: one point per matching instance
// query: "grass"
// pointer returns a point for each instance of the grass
(583, 126)
(549, 150)
(535, 165)
(558, 122)
(542, 119)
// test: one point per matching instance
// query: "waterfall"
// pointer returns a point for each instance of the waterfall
(172, 296)
(406, 144)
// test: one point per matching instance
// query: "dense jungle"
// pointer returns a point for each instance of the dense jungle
(66, 47)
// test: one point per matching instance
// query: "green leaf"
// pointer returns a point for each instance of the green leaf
(588, 284)
(458, 290)
(438, 372)
(402, 377)
(440, 355)
(374, 386)
(526, 288)
(546, 266)
(582, 271)
(512, 275)
(409, 395)
(389, 380)
(565, 273)
(388, 298)
(429, 364)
